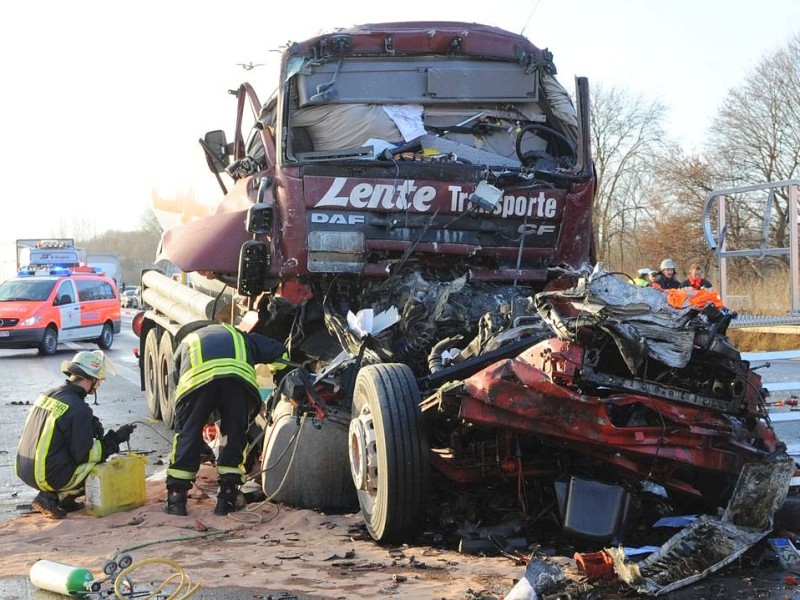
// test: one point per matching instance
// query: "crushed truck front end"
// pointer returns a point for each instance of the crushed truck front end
(449, 145)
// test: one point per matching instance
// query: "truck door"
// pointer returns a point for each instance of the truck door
(66, 300)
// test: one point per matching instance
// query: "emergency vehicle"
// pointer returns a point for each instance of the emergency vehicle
(40, 308)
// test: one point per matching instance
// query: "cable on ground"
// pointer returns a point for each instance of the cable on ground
(184, 590)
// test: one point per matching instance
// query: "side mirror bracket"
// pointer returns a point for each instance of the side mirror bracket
(216, 148)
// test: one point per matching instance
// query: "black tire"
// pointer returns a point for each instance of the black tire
(166, 389)
(49, 343)
(106, 339)
(389, 452)
(150, 366)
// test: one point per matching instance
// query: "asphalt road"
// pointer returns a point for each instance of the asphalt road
(24, 374)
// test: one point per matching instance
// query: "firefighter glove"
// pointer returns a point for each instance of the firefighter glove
(124, 432)
(110, 443)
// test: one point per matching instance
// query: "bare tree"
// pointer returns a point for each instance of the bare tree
(79, 228)
(756, 138)
(627, 135)
(674, 212)
(149, 222)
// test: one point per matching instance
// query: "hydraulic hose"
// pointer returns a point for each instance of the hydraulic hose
(184, 590)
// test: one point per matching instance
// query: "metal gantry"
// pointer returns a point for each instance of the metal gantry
(718, 243)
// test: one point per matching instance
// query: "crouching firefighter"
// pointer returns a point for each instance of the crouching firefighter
(214, 371)
(62, 439)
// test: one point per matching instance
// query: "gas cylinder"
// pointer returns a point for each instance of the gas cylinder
(63, 579)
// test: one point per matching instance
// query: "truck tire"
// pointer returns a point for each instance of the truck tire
(388, 451)
(150, 365)
(106, 339)
(166, 389)
(294, 447)
(49, 342)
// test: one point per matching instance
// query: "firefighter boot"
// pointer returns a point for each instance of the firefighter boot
(176, 502)
(70, 504)
(47, 504)
(228, 492)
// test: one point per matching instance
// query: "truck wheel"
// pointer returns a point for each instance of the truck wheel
(49, 342)
(388, 451)
(166, 389)
(150, 364)
(106, 338)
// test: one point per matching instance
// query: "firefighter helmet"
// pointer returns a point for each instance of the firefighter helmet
(89, 365)
(667, 263)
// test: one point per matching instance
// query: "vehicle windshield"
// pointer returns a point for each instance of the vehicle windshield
(467, 111)
(26, 289)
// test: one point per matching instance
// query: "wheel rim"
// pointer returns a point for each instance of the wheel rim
(150, 374)
(163, 381)
(163, 389)
(50, 342)
(364, 456)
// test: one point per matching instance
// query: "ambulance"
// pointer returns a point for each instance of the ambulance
(41, 308)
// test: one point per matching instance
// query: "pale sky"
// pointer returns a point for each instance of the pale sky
(104, 101)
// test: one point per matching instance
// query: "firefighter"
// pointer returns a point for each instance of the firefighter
(643, 277)
(215, 371)
(62, 439)
(666, 278)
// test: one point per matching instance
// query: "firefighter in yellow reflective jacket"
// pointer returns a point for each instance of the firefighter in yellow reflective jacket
(215, 370)
(62, 439)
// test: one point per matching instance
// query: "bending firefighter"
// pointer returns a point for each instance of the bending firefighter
(215, 371)
(62, 439)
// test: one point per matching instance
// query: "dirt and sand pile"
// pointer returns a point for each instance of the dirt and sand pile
(749, 340)
(276, 549)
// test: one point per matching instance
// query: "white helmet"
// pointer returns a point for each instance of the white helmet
(89, 365)
(667, 263)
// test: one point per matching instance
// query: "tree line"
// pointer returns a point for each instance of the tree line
(651, 193)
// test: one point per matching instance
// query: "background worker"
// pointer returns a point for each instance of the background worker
(696, 279)
(652, 278)
(215, 371)
(666, 279)
(62, 439)
(643, 277)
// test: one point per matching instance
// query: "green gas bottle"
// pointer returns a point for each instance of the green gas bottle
(63, 579)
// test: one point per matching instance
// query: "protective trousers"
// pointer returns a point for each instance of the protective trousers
(231, 399)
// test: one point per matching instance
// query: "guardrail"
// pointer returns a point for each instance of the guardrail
(778, 386)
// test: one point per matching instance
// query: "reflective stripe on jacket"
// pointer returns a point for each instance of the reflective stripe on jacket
(57, 448)
(213, 352)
